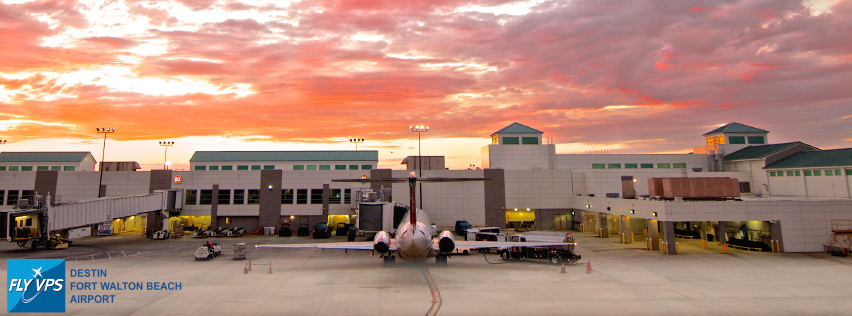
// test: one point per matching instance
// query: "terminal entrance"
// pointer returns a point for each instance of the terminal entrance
(520, 218)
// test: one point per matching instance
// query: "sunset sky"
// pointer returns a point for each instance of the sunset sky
(626, 76)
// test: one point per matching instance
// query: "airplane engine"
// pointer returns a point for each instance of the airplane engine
(446, 243)
(381, 243)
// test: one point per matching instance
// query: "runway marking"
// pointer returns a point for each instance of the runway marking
(432, 289)
(646, 271)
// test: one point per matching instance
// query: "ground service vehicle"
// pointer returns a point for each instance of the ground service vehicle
(208, 251)
(462, 227)
(485, 234)
(555, 254)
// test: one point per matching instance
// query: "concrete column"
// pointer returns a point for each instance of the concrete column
(722, 237)
(214, 207)
(669, 237)
(775, 234)
(703, 231)
(45, 184)
(495, 197)
(603, 223)
(625, 229)
(653, 234)
(326, 191)
(269, 208)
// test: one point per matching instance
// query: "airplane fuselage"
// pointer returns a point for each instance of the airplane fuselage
(413, 243)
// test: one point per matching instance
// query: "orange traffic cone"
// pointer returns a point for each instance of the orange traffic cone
(563, 268)
(249, 264)
(270, 268)
(589, 266)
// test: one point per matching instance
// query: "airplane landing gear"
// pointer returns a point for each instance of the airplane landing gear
(441, 260)
(389, 260)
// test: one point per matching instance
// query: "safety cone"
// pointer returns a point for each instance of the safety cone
(270, 268)
(245, 269)
(434, 298)
(249, 264)
(589, 266)
(563, 268)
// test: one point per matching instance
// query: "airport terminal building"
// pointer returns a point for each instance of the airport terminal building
(737, 188)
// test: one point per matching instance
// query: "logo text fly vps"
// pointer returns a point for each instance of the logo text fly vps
(35, 286)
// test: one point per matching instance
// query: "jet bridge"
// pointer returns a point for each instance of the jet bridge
(43, 226)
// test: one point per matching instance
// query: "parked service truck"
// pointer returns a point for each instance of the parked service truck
(555, 254)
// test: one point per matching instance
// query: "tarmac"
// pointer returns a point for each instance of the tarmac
(625, 279)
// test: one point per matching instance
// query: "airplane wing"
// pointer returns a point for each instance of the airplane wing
(360, 245)
(506, 244)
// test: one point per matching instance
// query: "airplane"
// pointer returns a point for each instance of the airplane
(38, 272)
(414, 242)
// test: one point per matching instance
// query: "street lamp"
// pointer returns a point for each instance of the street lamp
(419, 129)
(165, 155)
(356, 141)
(105, 131)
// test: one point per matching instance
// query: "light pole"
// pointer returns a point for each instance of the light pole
(356, 141)
(419, 129)
(166, 154)
(104, 131)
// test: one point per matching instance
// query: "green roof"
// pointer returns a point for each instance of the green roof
(735, 127)
(518, 128)
(68, 156)
(814, 159)
(331, 155)
(761, 151)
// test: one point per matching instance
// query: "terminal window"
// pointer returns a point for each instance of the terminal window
(27, 168)
(12, 198)
(353, 167)
(679, 165)
(200, 167)
(737, 139)
(42, 168)
(745, 187)
(213, 168)
(789, 173)
(663, 166)
(253, 196)
(849, 172)
(647, 166)
(772, 173)
(829, 173)
(242, 167)
(239, 196)
(268, 167)
(224, 197)
(808, 173)
(28, 195)
(339, 167)
(614, 166)
(346, 194)
(817, 173)
(191, 195)
(631, 166)
(227, 167)
(206, 197)
(287, 196)
(510, 141)
(366, 167)
(756, 140)
(13, 168)
(57, 168)
(598, 166)
(529, 140)
(2, 168)
(316, 196)
(334, 196)
(798, 173)
(325, 167)
(837, 172)
(68, 168)
(257, 167)
(312, 167)
(298, 167)
(302, 196)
